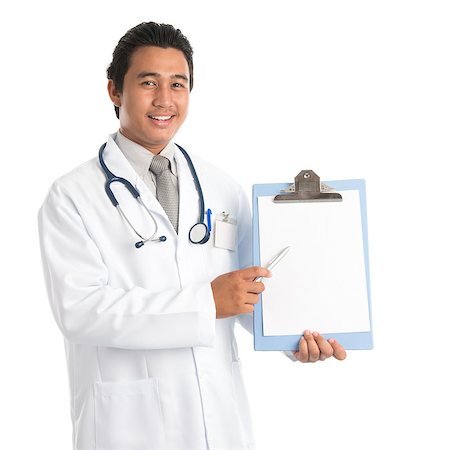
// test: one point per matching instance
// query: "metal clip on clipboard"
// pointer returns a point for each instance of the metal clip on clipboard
(307, 188)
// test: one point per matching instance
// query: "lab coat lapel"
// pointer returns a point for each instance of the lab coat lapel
(117, 163)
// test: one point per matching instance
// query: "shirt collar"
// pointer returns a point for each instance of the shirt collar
(140, 158)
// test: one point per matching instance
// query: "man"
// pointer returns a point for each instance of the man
(152, 357)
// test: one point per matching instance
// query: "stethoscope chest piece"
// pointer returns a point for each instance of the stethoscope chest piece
(199, 233)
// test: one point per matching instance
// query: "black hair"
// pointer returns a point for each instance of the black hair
(142, 35)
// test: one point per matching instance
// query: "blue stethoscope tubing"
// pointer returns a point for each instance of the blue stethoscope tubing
(199, 232)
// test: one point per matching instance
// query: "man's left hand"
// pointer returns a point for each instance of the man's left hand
(314, 347)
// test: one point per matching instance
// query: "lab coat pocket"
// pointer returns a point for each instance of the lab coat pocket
(220, 260)
(128, 416)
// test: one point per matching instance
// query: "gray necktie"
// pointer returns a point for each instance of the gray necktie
(166, 191)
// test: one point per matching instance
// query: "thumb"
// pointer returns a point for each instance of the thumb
(250, 273)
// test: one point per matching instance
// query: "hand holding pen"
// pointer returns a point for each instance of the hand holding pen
(237, 292)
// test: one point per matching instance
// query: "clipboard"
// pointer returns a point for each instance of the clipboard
(311, 200)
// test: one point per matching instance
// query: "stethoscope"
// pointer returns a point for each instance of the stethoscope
(199, 232)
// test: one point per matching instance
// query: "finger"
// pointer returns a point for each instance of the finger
(338, 351)
(313, 348)
(250, 273)
(246, 309)
(302, 355)
(325, 348)
(251, 299)
(255, 287)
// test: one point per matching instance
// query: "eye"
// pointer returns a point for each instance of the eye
(149, 83)
(178, 85)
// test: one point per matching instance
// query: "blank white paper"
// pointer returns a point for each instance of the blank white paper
(320, 284)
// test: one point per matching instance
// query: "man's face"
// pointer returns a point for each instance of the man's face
(155, 96)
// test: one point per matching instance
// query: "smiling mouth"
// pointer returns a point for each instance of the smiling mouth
(161, 118)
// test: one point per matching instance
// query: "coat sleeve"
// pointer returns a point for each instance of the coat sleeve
(89, 311)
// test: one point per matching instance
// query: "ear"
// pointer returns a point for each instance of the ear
(114, 94)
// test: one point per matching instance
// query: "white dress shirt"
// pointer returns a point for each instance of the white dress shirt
(140, 159)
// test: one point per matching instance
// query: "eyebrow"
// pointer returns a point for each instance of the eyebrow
(181, 76)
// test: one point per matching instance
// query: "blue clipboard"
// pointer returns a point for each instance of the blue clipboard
(350, 341)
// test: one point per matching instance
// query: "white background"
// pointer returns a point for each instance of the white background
(351, 89)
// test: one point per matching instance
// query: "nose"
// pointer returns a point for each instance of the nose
(163, 97)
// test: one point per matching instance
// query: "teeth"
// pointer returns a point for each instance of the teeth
(161, 117)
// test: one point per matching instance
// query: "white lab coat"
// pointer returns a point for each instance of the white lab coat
(149, 365)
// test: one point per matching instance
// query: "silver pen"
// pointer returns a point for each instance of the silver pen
(274, 261)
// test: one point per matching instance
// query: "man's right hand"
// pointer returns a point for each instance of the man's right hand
(236, 292)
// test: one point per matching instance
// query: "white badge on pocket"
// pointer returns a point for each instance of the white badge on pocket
(225, 232)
